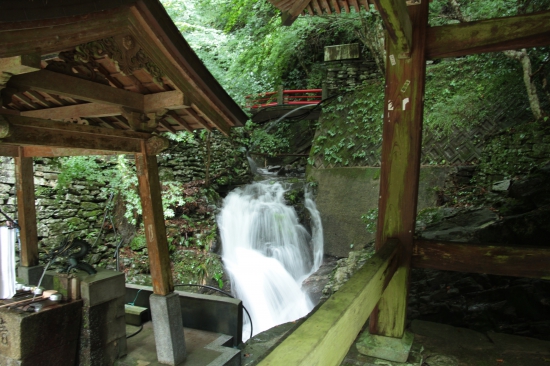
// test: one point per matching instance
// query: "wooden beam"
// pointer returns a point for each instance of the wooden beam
(52, 35)
(500, 34)
(78, 110)
(166, 100)
(294, 12)
(326, 336)
(72, 127)
(24, 186)
(400, 168)
(71, 86)
(398, 25)
(479, 258)
(9, 150)
(74, 137)
(50, 152)
(153, 221)
(16, 65)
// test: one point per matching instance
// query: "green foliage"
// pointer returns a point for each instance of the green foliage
(192, 267)
(88, 168)
(244, 46)
(515, 151)
(350, 128)
(138, 242)
(370, 219)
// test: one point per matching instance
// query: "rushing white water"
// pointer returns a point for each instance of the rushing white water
(267, 253)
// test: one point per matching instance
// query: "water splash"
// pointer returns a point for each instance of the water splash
(268, 253)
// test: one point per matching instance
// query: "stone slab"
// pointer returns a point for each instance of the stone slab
(509, 343)
(456, 337)
(103, 286)
(387, 348)
(168, 328)
(25, 335)
(30, 275)
(135, 315)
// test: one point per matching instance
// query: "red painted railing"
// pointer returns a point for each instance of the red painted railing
(284, 97)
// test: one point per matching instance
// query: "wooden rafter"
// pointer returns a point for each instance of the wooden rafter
(167, 125)
(198, 118)
(326, 6)
(151, 102)
(317, 7)
(77, 110)
(70, 86)
(336, 6)
(532, 30)
(292, 14)
(180, 121)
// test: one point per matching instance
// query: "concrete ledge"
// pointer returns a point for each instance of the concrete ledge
(386, 348)
(203, 312)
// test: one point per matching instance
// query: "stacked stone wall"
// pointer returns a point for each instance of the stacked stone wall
(79, 210)
(345, 74)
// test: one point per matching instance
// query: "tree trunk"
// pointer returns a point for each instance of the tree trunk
(530, 86)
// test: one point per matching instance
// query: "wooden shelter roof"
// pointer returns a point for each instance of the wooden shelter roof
(117, 65)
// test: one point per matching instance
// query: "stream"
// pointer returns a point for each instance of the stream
(267, 253)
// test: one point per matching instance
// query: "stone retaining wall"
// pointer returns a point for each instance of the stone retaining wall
(79, 210)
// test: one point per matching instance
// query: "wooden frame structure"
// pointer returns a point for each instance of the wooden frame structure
(88, 77)
(380, 289)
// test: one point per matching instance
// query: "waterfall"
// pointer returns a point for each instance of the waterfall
(267, 253)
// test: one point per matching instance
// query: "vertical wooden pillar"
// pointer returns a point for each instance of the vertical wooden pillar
(153, 220)
(24, 182)
(400, 169)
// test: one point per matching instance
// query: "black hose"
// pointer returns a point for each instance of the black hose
(136, 332)
(223, 292)
(105, 218)
(14, 222)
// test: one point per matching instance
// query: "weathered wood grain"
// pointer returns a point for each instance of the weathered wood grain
(24, 185)
(522, 31)
(51, 35)
(479, 258)
(326, 336)
(292, 14)
(70, 86)
(153, 221)
(400, 168)
(398, 25)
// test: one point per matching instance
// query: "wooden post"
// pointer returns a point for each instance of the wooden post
(400, 169)
(24, 177)
(280, 99)
(153, 220)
